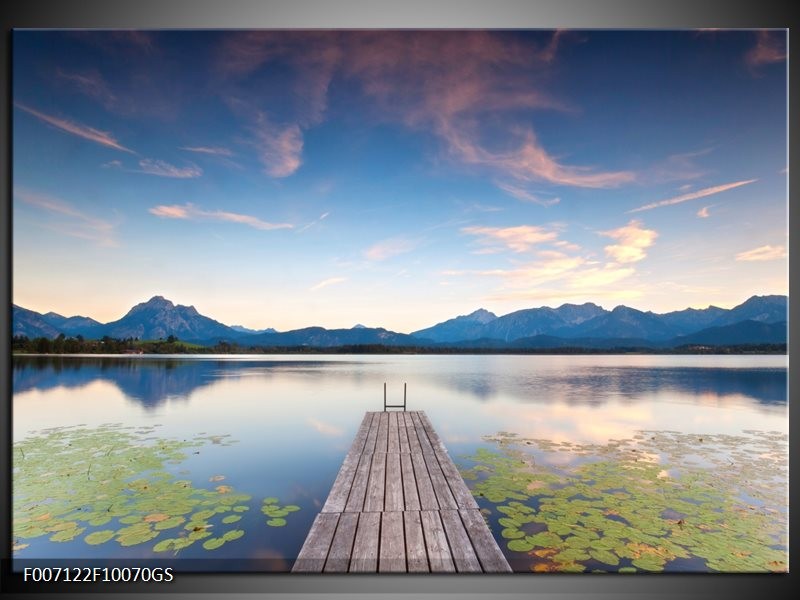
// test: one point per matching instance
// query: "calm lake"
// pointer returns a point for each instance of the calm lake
(241, 434)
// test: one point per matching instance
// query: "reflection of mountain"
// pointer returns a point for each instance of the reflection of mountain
(148, 382)
(599, 385)
(151, 382)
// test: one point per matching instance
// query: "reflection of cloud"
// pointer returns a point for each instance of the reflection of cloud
(191, 212)
(325, 428)
(694, 195)
(84, 131)
(762, 253)
(632, 240)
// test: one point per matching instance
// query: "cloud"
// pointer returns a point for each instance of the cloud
(632, 240)
(770, 48)
(677, 167)
(703, 212)
(88, 133)
(389, 248)
(762, 253)
(517, 239)
(524, 195)
(74, 222)
(164, 169)
(279, 149)
(191, 212)
(321, 218)
(325, 428)
(215, 150)
(91, 83)
(326, 282)
(694, 195)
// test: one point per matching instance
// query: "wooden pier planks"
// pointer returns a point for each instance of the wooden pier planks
(398, 504)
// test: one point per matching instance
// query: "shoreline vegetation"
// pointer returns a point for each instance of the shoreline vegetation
(22, 345)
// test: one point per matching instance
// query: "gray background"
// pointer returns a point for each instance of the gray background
(246, 14)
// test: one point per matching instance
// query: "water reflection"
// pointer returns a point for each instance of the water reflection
(152, 382)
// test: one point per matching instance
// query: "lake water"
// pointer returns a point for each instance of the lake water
(279, 426)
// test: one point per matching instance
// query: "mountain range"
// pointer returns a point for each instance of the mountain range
(760, 319)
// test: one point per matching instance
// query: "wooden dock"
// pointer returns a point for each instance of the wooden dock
(399, 504)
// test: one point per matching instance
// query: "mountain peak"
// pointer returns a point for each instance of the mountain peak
(481, 316)
(358, 326)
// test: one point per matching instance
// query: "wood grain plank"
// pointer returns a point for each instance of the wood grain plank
(402, 433)
(411, 432)
(434, 438)
(337, 498)
(355, 501)
(424, 442)
(312, 556)
(342, 544)
(416, 553)
(364, 558)
(372, 434)
(489, 553)
(463, 496)
(392, 557)
(381, 443)
(460, 545)
(427, 497)
(440, 486)
(439, 557)
(393, 499)
(376, 488)
(394, 435)
(410, 493)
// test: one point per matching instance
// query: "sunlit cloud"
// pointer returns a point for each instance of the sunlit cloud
(214, 150)
(762, 253)
(600, 277)
(189, 211)
(91, 84)
(770, 48)
(524, 195)
(632, 240)
(694, 195)
(103, 138)
(327, 282)
(389, 248)
(517, 239)
(164, 169)
(74, 222)
(703, 212)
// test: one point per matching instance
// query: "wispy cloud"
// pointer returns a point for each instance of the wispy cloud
(91, 83)
(517, 239)
(694, 195)
(326, 282)
(189, 211)
(316, 221)
(632, 241)
(164, 169)
(103, 138)
(770, 48)
(762, 253)
(325, 428)
(703, 212)
(677, 167)
(389, 248)
(214, 150)
(74, 222)
(524, 195)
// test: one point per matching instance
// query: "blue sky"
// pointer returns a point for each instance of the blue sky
(397, 178)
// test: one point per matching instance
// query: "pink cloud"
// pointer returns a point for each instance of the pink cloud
(164, 169)
(762, 253)
(214, 150)
(191, 212)
(517, 239)
(389, 248)
(694, 195)
(770, 48)
(88, 133)
(524, 195)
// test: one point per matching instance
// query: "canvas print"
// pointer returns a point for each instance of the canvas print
(429, 301)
